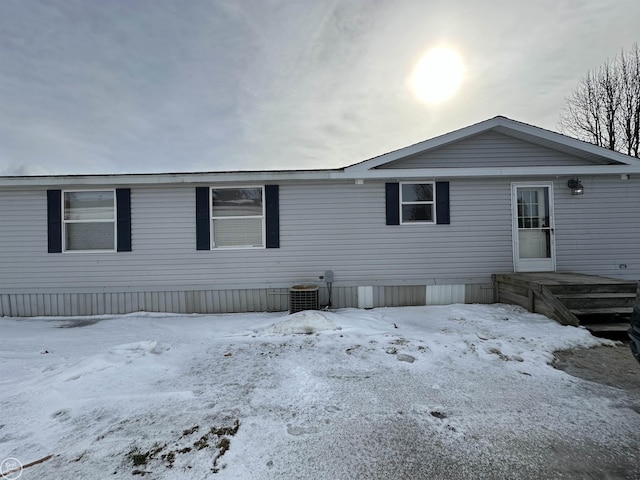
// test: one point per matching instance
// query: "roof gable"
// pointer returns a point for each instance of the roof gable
(500, 143)
(491, 149)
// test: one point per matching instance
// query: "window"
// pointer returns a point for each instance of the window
(89, 220)
(237, 217)
(394, 203)
(417, 202)
(528, 209)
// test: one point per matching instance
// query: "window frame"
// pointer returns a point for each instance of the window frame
(432, 202)
(262, 217)
(64, 221)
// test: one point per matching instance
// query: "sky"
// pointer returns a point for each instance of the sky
(439, 392)
(142, 86)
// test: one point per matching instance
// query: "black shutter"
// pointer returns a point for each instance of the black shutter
(123, 215)
(54, 220)
(392, 197)
(203, 229)
(272, 207)
(442, 203)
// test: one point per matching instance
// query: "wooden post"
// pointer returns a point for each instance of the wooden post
(496, 295)
(532, 300)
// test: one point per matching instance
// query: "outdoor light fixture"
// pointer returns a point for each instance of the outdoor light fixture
(576, 186)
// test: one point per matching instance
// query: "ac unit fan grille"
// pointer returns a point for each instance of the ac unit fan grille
(303, 297)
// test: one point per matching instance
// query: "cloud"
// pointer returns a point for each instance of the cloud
(145, 86)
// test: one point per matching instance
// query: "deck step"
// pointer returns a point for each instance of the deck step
(577, 288)
(579, 312)
(571, 298)
(597, 300)
(610, 327)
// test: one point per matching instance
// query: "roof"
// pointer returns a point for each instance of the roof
(599, 161)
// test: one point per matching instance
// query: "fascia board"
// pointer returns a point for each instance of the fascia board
(488, 172)
(165, 179)
(553, 137)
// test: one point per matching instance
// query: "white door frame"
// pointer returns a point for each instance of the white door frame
(533, 264)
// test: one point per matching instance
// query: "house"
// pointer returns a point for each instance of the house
(427, 224)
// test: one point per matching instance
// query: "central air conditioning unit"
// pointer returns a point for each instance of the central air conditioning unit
(303, 297)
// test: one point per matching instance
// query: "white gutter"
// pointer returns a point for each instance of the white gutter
(310, 175)
(389, 173)
(165, 178)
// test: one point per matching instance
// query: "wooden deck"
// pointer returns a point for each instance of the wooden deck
(599, 303)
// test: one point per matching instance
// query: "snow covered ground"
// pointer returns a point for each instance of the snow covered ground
(461, 391)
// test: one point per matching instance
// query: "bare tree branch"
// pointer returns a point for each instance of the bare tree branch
(604, 108)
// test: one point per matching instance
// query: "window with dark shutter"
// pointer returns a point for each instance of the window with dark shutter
(238, 217)
(89, 220)
(417, 202)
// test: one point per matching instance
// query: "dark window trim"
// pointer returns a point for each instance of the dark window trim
(123, 219)
(392, 200)
(272, 216)
(443, 214)
(203, 216)
(54, 221)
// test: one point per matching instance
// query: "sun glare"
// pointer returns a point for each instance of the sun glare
(437, 75)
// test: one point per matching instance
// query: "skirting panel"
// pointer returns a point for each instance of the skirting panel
(445, 294)
(228, 301)
(200, 301)
(365, 297)
(406, 295)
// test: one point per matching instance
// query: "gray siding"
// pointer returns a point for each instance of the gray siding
(339, 227)
(598, 232)
(322, 227)
(489, 149)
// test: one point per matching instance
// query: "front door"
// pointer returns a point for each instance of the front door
(533, 227)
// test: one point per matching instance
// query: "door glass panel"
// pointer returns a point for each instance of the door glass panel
(534, 227)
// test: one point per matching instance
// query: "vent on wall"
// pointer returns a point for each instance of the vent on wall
(303, 297)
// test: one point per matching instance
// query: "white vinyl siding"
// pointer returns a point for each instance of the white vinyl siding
(237, 217)
(89, 220)
(323, 226)
(598, 232)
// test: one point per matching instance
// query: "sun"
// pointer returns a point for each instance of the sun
(437, 75)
